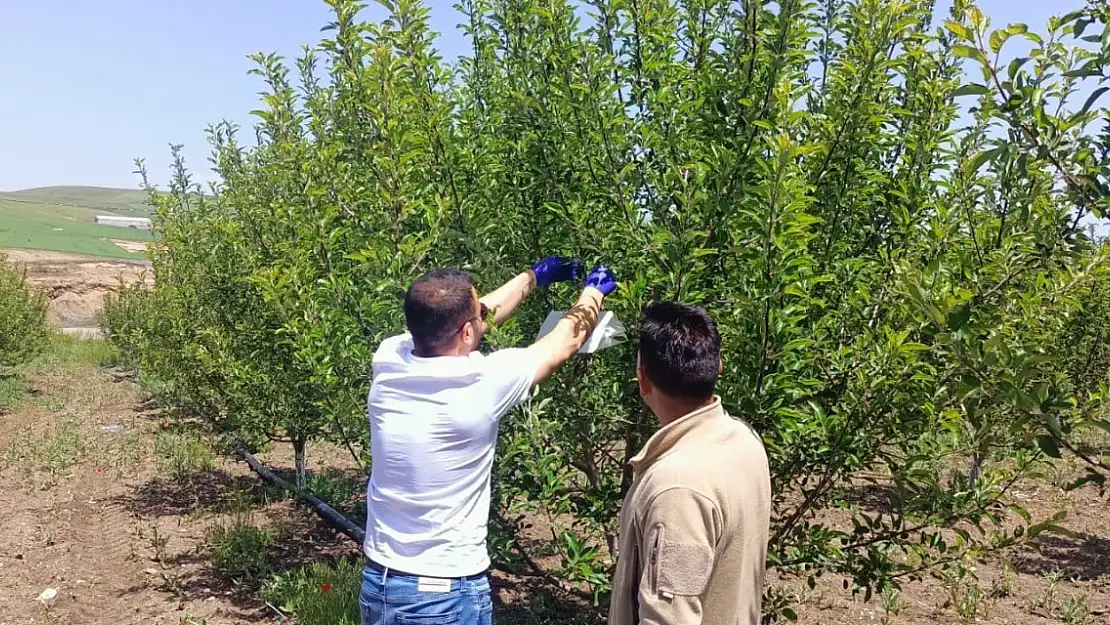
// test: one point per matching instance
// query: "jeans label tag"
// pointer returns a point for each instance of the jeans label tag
(433, 584)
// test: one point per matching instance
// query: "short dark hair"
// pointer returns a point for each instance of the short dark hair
(680, 349)
(437, 305)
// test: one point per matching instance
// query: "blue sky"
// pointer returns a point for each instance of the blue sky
(89, 86)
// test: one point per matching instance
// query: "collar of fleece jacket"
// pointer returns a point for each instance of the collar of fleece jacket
(692, 427)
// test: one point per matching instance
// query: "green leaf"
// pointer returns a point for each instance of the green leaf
(998, 39)
(969, 52)
(1048, 445)
(1092, 99)
(1034, 37)
(1016, 65)
(983, 158)
(970, 89)
(958, 29)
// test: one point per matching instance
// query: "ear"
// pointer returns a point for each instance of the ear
(642, 379)
(720, 366)
(470, 333)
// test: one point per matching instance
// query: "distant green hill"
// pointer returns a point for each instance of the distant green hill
(131, 202)
(62, 219)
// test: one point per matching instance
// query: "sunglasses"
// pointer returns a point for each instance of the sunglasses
(483, 314)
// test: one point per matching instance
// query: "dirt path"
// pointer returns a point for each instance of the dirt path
(77, 285)
(117, 521)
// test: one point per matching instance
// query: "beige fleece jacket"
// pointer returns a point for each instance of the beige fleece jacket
(694, 526)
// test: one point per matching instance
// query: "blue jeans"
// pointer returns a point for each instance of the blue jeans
(392, 598)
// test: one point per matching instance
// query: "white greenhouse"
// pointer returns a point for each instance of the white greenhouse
(142, 223)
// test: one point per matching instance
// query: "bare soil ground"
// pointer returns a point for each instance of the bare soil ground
(96, 515)
(105, 518)
(77, 285)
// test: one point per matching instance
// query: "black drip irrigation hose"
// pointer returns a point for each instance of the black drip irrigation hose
(339, 522)
(329, 514)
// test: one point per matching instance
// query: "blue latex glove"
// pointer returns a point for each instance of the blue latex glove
(554, 269)
(602, 279)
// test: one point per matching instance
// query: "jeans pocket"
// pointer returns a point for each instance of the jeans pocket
(442, 618)
(435, 609)
(485, 600)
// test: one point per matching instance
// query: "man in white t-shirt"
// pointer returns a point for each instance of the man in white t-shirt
(434, 405)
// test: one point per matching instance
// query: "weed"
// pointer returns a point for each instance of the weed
(67, 351)
(892, 604)
(12, 390)
(1047, 601)
(1003, 585)
(1074, 610)
(54, 454)
(128, 452)
(59, 452)
(972, 604)
(181, 455)
(335, 487)
(189, 619)
(158, 543)
(49, 403)
(544, 608)
(244, 499)
(964, 594)
(319, 594)
(240, 550)
(48, 534)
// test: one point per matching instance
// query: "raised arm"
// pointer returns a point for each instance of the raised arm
(571, 332)
(503, 301)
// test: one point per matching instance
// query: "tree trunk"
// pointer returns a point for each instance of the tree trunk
(299, 445)
(975, 470)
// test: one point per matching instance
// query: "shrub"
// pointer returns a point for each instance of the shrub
(891, 284)
(23, 328)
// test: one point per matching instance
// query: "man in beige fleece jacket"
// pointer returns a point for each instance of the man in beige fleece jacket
(693, 529)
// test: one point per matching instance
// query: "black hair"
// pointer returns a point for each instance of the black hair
(680, 350)
(437, 305)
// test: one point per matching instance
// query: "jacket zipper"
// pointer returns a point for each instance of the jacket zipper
(657, 539)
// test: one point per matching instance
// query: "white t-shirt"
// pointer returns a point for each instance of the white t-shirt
(433, 431)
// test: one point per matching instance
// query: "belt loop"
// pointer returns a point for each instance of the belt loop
(385, 574)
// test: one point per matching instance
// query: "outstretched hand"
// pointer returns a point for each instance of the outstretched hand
(554, 269)
(602, 279)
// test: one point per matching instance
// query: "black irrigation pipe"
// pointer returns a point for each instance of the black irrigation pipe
(339, 522)
(326, 512)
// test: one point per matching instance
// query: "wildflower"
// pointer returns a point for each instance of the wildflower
(325, 587)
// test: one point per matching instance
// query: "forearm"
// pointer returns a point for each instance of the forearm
(505, 299)
(570, 333)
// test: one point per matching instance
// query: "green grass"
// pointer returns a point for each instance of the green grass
(184, 454)
(63, 354)
(240, 550)
(71, 229)
(52, 454)
(73, 351)
(115, 201)
(322, 593)
(12, 390)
